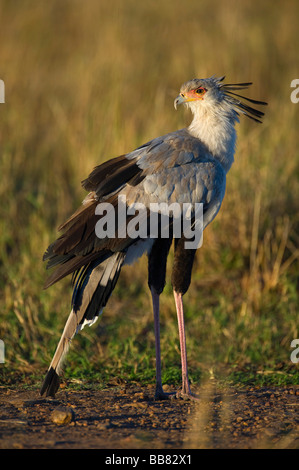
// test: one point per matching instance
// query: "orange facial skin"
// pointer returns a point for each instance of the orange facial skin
(194, 95)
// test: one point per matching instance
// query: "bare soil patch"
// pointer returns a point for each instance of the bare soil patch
(127, 417)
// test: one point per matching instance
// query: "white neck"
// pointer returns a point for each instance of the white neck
(216, 130)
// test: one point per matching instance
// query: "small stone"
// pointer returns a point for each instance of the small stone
(18, 445)
(62, 415)
(102, 426)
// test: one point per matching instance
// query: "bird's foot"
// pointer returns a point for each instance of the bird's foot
(161, 395)
(185, 395)
(185, 392)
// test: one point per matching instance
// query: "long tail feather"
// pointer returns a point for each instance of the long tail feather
(91, 294)
(51, 382)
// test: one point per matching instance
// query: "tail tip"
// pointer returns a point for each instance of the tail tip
(51, 384)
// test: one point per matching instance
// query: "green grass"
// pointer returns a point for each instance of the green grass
(86, 81)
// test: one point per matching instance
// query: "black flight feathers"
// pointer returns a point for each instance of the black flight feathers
(112, 175)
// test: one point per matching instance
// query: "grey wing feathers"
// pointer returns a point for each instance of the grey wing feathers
(172, 168)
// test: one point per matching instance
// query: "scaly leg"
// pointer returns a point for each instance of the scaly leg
(159, 394)
(186, 391)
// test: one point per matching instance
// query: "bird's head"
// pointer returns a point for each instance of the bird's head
(210, 94)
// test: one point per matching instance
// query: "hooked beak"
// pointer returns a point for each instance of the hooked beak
(179, 100)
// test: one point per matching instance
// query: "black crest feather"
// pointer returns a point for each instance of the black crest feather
(236, 100)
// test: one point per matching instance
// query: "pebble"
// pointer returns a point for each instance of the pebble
(102, 426)
(62, 415)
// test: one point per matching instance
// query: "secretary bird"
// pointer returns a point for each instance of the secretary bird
(185, 166)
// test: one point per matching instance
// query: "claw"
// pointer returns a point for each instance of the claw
(161, 395)
(164, 396)
(180, 394)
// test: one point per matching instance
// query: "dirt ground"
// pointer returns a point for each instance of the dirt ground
(127, 417)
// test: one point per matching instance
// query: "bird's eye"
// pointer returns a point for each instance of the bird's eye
(200, 91)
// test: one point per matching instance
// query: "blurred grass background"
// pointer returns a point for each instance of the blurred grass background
(89, 80)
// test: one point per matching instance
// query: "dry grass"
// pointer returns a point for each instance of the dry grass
(86, 81)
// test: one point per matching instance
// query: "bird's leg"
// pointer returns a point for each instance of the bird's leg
(159, 394)
(185, 392)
